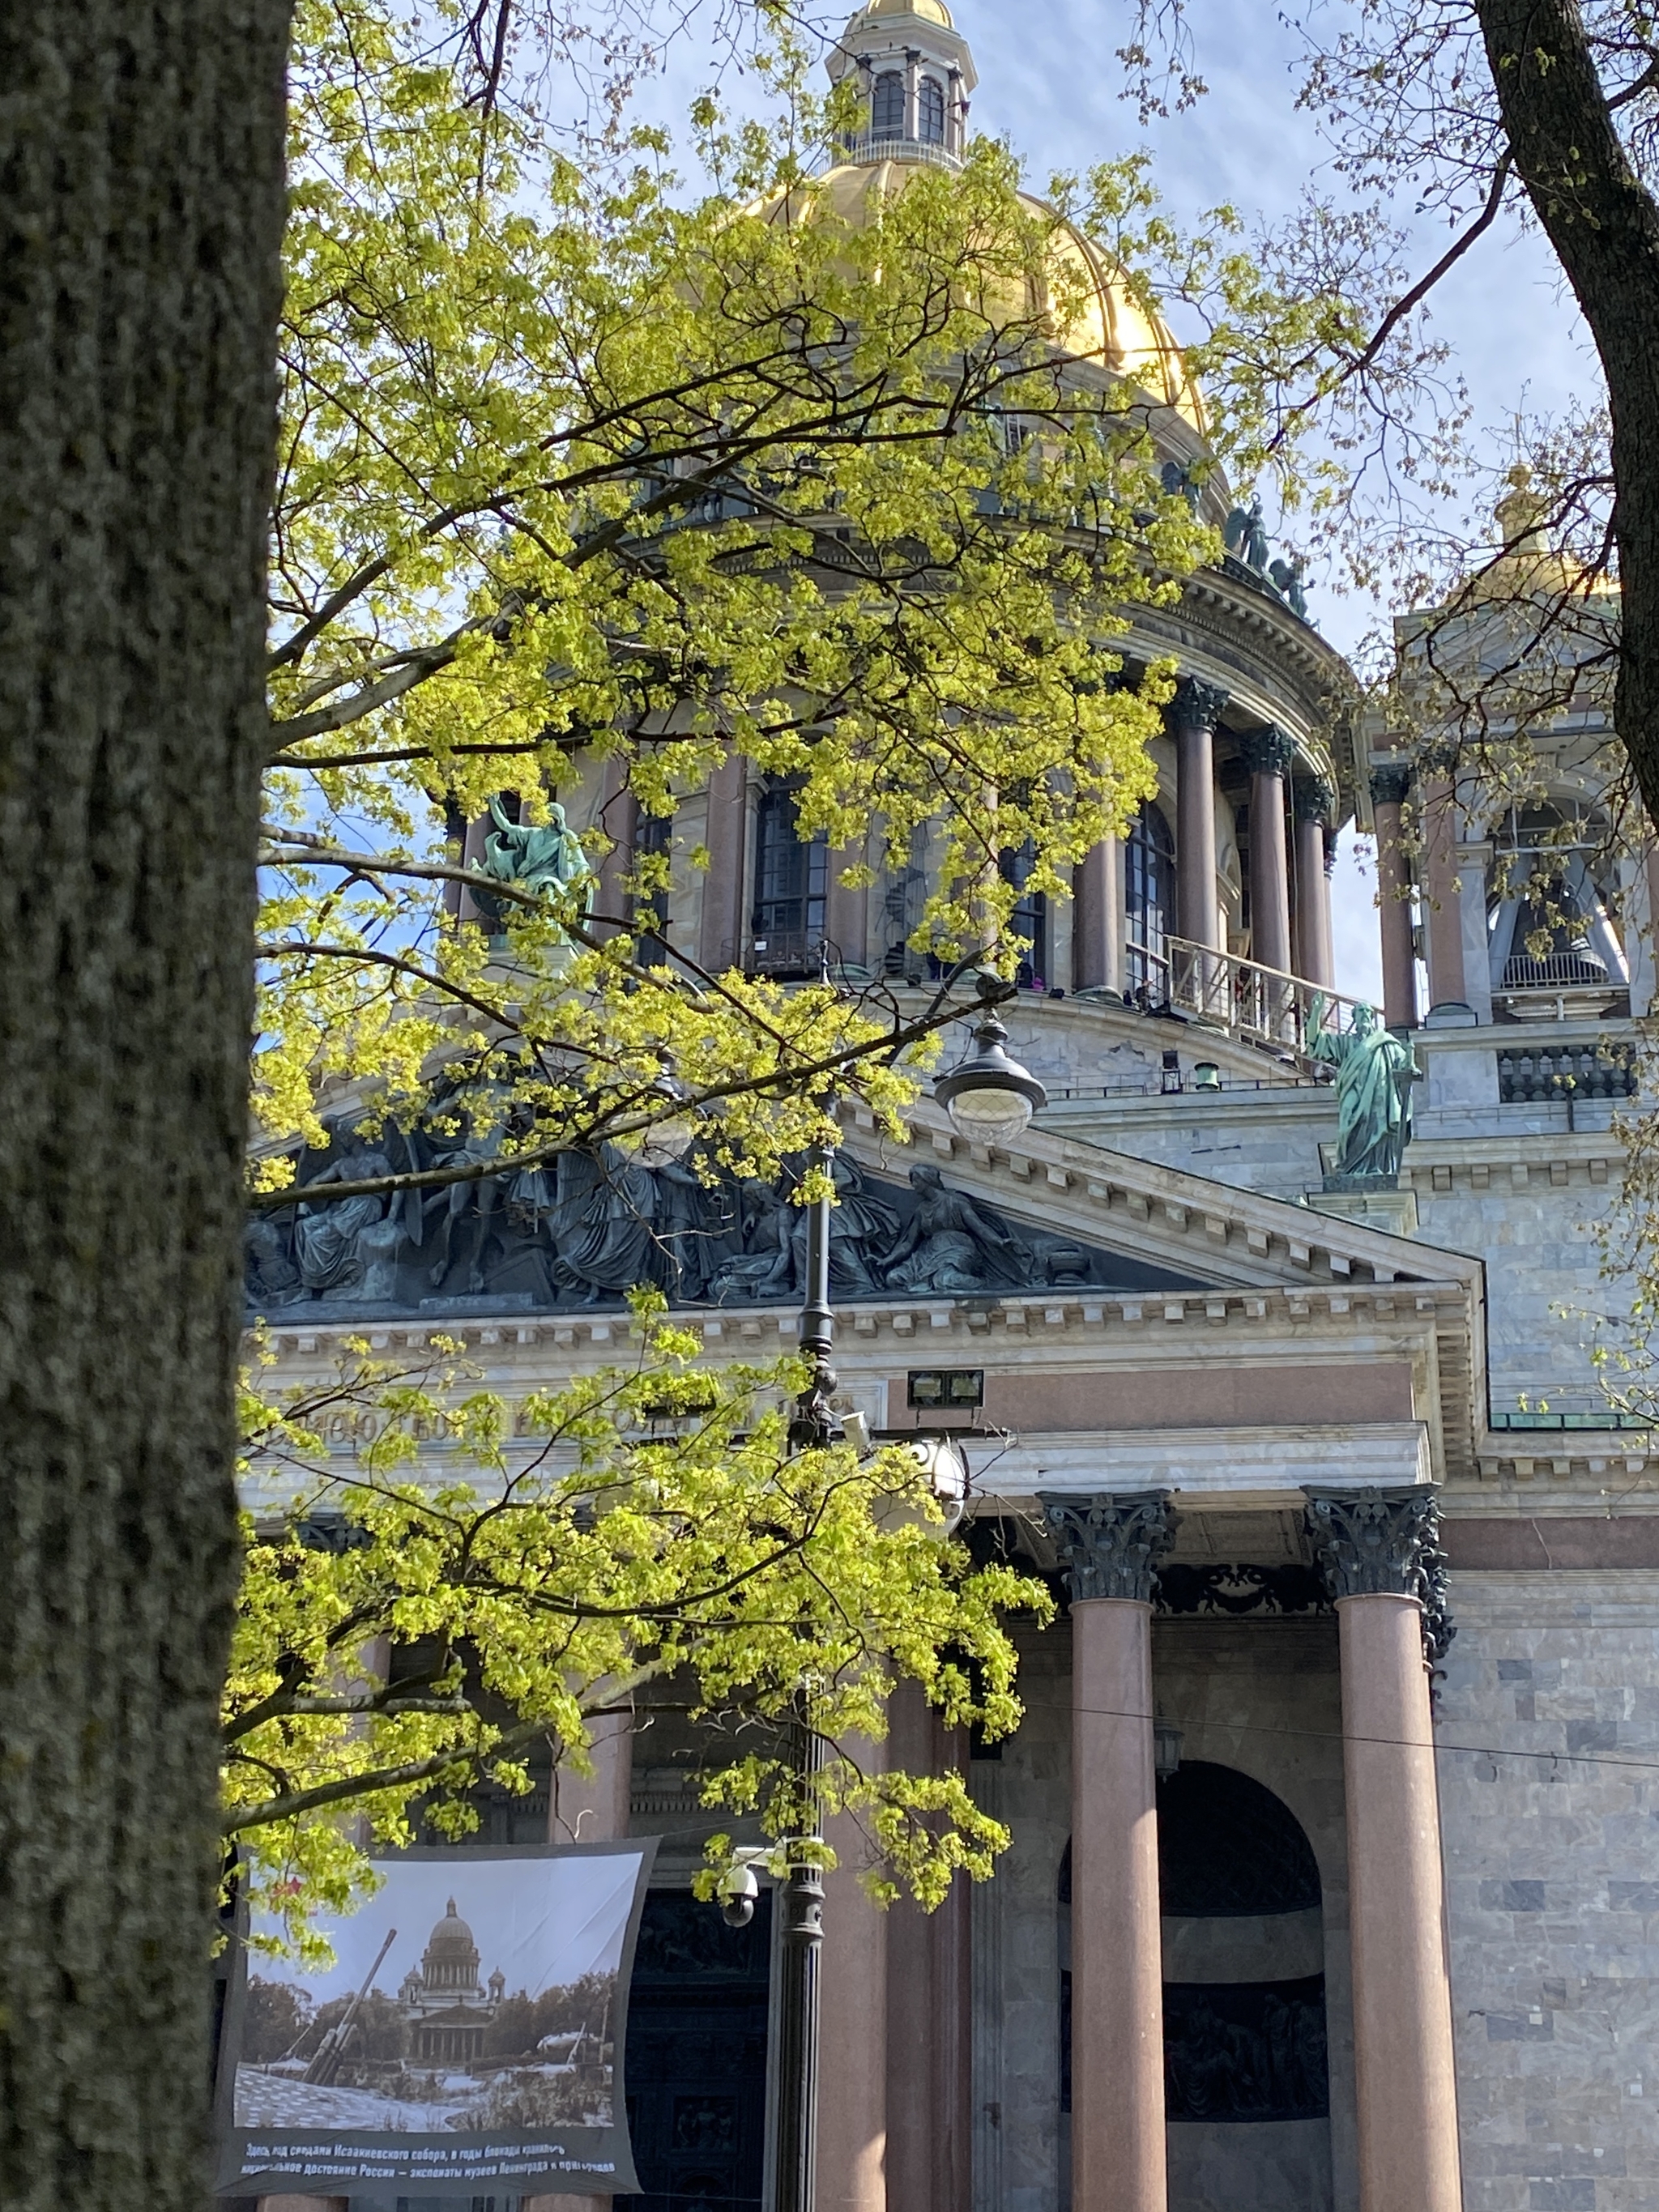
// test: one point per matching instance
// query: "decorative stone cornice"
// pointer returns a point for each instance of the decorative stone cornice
(1384, 1543)
(1197, 705)
(1111, 1543)
(1390, 786)
(1313, 799)
(1267, 752)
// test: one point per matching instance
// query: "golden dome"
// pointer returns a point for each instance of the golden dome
(931, 11)
(1109, 329)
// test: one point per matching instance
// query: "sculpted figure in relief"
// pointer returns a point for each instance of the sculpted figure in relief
(951, 1245)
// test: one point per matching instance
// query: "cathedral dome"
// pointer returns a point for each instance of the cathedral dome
(915, 70)
(452, 1938)
(1104, 324)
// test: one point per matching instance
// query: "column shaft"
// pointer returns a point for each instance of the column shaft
(1097, 921)
(590, 1809)
(847, 912)
(1198, 914)
(1442, 917)
(929, 2088)
(852, 2142)
(1315, 954)
(1118, 2161)
(723, 935)
(618, 816)
(1389, 790)
(1407, 2086)
(1270, 889)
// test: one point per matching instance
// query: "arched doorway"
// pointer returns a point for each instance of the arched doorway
(1246, 2083)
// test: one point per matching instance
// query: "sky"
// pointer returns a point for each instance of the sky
(544, 1922)
(1050, 84)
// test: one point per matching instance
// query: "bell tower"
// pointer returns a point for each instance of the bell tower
(915, 73)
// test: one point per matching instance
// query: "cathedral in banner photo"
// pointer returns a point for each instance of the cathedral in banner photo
(1268, 1344)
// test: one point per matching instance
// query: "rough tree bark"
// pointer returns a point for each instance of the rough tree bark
(141, 203)
(1603, 223)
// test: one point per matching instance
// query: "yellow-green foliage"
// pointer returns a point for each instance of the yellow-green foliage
(507, 380)
(637, 1525)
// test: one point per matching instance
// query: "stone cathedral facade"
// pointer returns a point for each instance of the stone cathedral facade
(1342, 1759)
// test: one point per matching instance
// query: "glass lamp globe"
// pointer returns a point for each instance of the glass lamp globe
(671, 1139)
(989, 1096)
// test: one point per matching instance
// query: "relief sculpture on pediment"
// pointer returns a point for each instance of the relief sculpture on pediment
(582, 1229)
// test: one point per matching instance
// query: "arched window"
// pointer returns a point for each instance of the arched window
(792, 887)
(1148, 899)
(930, 113)
(1236, 1879)
(887, 110)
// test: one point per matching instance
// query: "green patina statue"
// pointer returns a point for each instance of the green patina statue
(542, 858)
(1375, 1072)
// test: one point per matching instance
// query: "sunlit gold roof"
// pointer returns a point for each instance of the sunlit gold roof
(931, 11)
(1110, 328)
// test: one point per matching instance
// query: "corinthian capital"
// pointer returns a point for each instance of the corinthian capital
(1197, 705)
(1391, 787)
(1267, 752)
(1112, 1542)
(1372, 1543)
(1314, 800)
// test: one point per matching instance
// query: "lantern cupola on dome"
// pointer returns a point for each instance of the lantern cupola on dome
(915, 74)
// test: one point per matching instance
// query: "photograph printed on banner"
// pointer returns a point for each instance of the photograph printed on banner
(477, 1995)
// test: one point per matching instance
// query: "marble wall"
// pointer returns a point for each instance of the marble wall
(1553, 1867)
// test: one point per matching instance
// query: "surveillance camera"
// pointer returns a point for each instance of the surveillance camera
(739, 1890)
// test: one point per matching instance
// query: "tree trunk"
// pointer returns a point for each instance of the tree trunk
(141, 203)
(1604, 226)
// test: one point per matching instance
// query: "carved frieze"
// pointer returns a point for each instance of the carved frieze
(583, 1229)
(1111, 1543)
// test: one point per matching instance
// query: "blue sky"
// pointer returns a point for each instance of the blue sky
(1050, 83)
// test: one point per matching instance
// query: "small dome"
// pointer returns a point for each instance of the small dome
(931, 11)
(451, 1934)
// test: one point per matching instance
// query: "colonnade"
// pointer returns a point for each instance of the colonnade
(1372, 1548)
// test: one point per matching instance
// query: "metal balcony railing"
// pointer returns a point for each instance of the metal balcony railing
(1256, 1004)
(891, 146)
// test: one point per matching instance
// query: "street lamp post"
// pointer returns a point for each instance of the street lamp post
(988, 1097)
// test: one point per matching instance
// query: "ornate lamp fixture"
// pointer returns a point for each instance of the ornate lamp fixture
(666, 1141)
(989, 1096)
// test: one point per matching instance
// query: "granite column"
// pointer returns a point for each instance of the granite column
(1390, 787)
(1443, 916)
(723, 936)
(1197, 708)
(852, 1985)
(1314, 803)
(1268, 755)
(1097, 925)
(1382, 1567)
(1112, 1546)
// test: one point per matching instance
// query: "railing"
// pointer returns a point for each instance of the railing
(1546, 1074)
(1572, 971)
(1256, 1005)
(893, 146)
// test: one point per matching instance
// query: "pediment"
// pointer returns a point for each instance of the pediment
(579, 1238)
(1208, 1233)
